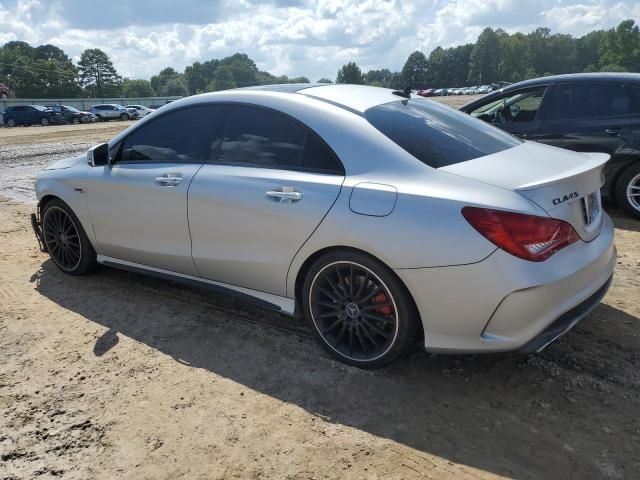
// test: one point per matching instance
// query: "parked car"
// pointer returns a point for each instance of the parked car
(426, 93)
(31, 115)
(597, 112)
(141, 110)
(72, 114)
(4, 91)
(379, 217)
(112, 111)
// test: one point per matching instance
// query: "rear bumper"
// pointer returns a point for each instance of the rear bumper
(566, 321)
(506, 304)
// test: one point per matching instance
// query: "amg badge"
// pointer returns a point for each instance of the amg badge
(565, 198)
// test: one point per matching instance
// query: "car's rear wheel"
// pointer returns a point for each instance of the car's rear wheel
(358, 309)
(628, 190)
(66, 240)
(124, 116)
(44, 122)
(11, 122)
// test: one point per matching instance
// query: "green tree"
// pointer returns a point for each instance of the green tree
(350, 73)
(485, 57)
(324, 80)
(97, 75)
(414, 71)
(137, 88)
(621, 46)
(378, 78)
(222, 79)
(175, 87)
(159, 81)
(41, 72)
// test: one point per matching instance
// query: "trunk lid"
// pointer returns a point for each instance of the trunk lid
(563, 183)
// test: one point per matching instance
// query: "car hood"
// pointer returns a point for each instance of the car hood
(65, 163)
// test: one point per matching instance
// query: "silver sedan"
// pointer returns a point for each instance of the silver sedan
(383, 219)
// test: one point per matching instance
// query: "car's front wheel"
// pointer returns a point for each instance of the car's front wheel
(358, 309)
(44, 121)
(66, 240)
(124, 116)
(628, 190)
(75, 120)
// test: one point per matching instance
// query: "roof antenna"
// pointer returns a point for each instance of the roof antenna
(406, 93)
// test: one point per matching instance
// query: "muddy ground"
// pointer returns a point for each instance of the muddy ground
(116, 375)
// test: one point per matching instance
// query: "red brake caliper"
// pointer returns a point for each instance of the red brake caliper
(381, 299)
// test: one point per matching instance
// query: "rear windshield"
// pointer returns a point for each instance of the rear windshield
(436, 134)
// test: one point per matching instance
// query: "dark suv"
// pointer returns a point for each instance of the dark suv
(72, 114)
(31, 115)
(587, 112)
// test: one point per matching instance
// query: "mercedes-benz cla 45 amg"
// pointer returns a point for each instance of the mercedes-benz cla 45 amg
(381, 218)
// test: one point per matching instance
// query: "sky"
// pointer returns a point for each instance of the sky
(287, 37)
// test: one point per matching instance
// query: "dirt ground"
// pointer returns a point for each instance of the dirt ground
(116, 375)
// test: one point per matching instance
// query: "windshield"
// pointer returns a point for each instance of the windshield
(41, 108)
(73, 109)
(435, 134)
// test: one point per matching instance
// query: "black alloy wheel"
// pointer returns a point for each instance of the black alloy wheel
(359, 311)
(65, 239)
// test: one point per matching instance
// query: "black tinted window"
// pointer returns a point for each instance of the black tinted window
(264, 138)
(187, 135)
(317, 156)
(436, 134)
(589, 101)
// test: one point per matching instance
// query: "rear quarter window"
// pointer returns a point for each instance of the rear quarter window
(435, 134)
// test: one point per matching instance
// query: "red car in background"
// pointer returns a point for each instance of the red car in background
(4, 91)
(426, 93)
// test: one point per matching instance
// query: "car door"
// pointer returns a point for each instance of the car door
(591, 117)
(254, 206)
(518, 112)
(138, 203)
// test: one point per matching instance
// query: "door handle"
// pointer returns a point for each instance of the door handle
(284, 195)
(169, 179)
(616, 131)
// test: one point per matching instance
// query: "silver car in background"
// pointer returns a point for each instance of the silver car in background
(381, 218)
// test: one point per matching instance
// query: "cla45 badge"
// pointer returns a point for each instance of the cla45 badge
(565, 198)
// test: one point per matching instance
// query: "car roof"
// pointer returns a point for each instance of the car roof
(575, 77)
(356, 98)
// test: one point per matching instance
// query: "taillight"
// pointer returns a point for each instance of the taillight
(529, 237)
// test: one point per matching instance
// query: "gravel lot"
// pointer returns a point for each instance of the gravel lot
(116, 375)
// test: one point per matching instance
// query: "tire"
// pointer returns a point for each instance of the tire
(11, 123)
(65, 239)
(124, 117)
(75, 120)
(358, 309)
(98, 118)
(44, 121)
(627, 190)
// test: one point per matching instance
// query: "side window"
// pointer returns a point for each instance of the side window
(263, 138)
(317, 156)
(258, 137)
(190, 135)
(634, 94)
(582, 100)
(514, 107)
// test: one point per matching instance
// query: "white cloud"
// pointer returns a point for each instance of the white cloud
(292, 37)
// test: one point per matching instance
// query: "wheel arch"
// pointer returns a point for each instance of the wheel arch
(306, 265)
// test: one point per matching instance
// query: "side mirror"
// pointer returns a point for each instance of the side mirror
(98, 155)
